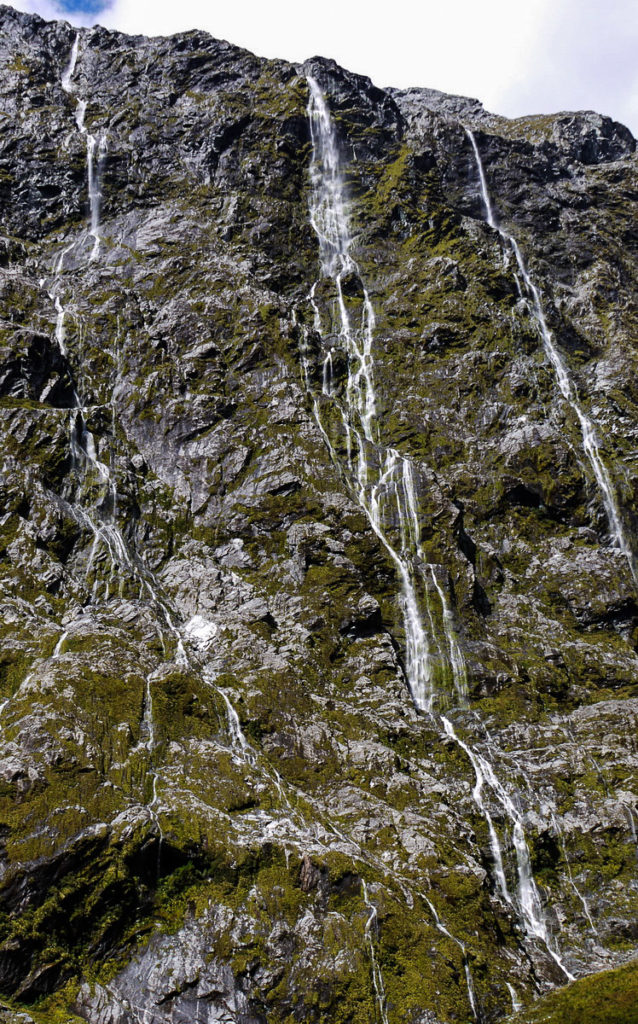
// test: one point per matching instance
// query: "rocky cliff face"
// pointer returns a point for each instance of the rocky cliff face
(319, 424)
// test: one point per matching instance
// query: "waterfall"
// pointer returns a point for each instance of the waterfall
(59, 324)
(69, 71)
(392, 488)
(466, 967)
(377, 977)
(329, 220)
(570, 875)
(147, 729)
(529, 906)
(565, 384)
(384, 482)
(95, 151)
(59, 647)
(148, 722)
(516, 1003)
(99, 518)
(96, 154)
(237, 738)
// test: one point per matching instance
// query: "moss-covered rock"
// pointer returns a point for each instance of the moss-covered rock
(216, 794)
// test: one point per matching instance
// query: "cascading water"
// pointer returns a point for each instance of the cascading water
(93, 497)
(69, 71)
(389, 489)
(95, 156)
(59, 647)
(100, 518)
(466, 967)
(95, 151)
(238, 740)
(516, 1003)
(82, 442)
(570, 875)
(565, 384)
(377, 977)
(529, 904)
(384, 480)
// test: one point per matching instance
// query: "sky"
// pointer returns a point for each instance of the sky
(535, 56)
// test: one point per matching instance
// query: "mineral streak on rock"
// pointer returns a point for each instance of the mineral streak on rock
(218, 800)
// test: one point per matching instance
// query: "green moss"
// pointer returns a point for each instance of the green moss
(54, 1009)
(610, 997)
(17, 63)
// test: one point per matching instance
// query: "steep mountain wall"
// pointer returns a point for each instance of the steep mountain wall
(319, 419)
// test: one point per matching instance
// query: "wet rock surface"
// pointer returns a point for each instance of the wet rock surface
(208, 742)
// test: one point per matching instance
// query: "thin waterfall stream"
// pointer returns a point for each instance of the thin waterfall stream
(377, 977)
(516, 1003)
(570, 875)
(357, 410)
(97, 512)
(466, 967)
(565, 384)
(384, 483)
(95, 150)
(100, 518)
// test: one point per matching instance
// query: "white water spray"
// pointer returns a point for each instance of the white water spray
(565, 384)
(377, 977)
(59, 324)
(69, 71)
(59, 647)
(95, 151)
(529, 905)
(516, 1003)
(237, 738)
(570, 875)
(466, 967)
(387, 490)
(381, 477)
(329, 219)
(96, 154)
(148, 722)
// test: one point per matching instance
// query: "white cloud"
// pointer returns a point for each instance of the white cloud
(535, 56)
(462, 46)
(585, 57)
(49, 10)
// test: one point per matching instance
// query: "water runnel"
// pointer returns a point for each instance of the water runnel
(565, 384)
(384, 480)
